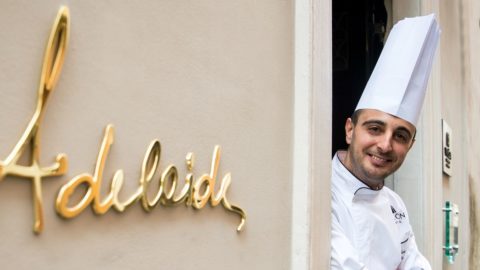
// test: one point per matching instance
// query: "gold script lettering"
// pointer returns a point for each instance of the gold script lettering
(52, 65)
(190, 194)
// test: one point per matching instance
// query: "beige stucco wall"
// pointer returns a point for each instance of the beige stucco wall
(471, 56)
(453, 94)
(192, 74)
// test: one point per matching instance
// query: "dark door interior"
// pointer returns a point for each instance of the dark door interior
(358, 34)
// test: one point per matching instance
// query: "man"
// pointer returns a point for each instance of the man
(370, 225)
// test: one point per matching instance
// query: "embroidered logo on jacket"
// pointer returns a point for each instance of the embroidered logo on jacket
(399, 215)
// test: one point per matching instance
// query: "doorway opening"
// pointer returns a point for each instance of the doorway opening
(358, 32)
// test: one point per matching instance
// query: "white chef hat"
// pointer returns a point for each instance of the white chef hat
(398, 82)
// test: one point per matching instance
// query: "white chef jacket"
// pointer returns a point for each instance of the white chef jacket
(370, 228)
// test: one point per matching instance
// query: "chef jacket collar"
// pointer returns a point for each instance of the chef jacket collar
(352, 186)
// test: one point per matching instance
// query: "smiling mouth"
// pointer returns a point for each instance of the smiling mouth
(379, 161)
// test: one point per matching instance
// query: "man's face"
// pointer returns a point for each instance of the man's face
(378, 144)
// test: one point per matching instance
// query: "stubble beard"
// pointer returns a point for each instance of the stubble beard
(364, 170)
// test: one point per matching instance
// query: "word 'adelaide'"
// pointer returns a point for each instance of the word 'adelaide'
(194, 193)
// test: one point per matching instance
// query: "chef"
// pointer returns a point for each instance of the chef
(370, 223)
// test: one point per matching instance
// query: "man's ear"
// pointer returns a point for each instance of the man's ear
(349, 130)
(411, 144)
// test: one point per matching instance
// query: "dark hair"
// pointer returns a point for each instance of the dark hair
(355, 116)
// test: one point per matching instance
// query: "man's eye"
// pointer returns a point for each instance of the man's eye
(374, 129)
(402, 137)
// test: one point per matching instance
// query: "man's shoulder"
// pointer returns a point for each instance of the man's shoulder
(394, 199)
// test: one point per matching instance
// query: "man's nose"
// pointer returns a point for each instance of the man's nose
(384, 143)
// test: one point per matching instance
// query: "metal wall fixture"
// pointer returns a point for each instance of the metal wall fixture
(451, 231)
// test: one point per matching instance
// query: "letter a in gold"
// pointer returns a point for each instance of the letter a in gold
(52, 65)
